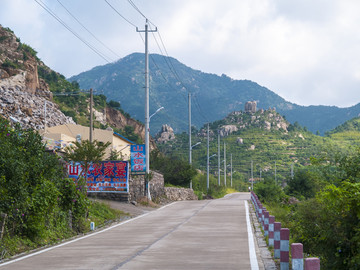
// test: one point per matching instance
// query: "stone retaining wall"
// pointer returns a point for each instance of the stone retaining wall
(157, 190)
(136, 189)
(180, 194)
(137, 186)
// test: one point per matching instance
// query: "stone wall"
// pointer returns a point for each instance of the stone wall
(113, 196)
(137, 186)
(180, 194)
(157, 190)
(136, 189)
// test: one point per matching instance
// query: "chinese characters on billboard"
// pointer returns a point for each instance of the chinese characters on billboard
(138, 161)
(105, 176)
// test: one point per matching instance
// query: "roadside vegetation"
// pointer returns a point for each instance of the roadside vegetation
(321, 207)
(38, 204)
(179, 173)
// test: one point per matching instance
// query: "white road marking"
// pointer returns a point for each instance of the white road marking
(252, 252)
(80, 238)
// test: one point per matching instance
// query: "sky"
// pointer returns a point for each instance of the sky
(306, 51)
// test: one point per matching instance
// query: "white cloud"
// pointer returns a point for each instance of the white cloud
(305, 51)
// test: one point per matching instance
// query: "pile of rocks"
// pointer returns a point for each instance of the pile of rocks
(29, 109)
(180, 194)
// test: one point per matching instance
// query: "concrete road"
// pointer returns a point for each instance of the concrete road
(210, 234)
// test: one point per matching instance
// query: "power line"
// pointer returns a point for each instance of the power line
(48, 10)
(120, 14)
(162, 75)
(199, 109)
(136, 8)
(173, 70)
(83, 26)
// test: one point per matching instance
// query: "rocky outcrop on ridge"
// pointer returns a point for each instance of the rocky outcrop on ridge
(165, 135)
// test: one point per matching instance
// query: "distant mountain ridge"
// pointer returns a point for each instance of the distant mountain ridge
(213, 96)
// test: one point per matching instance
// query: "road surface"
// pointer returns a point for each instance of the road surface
(210, 234)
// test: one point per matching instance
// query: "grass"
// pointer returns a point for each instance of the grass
(99, 213)
(230, 190)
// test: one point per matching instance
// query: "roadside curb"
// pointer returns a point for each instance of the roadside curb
(266, 262)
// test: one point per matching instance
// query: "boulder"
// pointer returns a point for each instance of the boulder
(227, 130)
(166, 134)
(250, 107)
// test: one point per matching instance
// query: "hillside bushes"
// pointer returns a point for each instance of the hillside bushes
(327, 217)
(176, 172)
(33, 191)
(41, 205)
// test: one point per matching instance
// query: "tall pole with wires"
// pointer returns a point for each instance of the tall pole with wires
(207, 160)
(190, 148)
(252, 175)
(147, 119)
(91, 116)
(189, 109)
(231, 171)
(225, 164)
(218, 159)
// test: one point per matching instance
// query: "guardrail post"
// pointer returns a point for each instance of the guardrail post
(271, 230)
(284, 248)
(297, 257)
(277, 228)
(266, 223)
(312, 264)
(263, 217)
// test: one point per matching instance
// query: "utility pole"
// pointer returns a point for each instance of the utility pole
(275, 173)
(207, 160)
(190, 148)
(224, 164)
(218, 158)
(252, 176)
(292, 170)
(189, 108)
(91, 116)
(231, 169)
(147, 118)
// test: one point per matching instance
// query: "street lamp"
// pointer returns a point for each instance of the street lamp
(190, 158)
(147, 130)
(124, 147)
(207, 170)
(195, 145)
(158, 110)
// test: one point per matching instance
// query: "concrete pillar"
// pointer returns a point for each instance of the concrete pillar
(271, 230)
(312, 264)
(297, 257)
(277, 228)
(266, 223)
(263, 217)
(258, 207)
(260, 212)
(284, 248)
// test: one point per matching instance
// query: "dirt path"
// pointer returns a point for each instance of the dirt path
(133, 210)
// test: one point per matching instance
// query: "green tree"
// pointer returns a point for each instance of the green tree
(269, 191)
(86, 152)
(176, 172)
(29, 182)
(306, 183)
(115, 155)
(328, 226)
